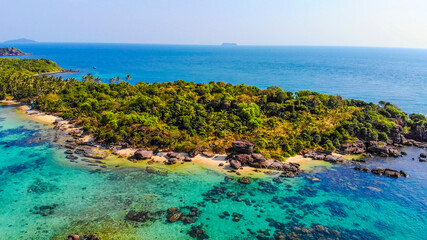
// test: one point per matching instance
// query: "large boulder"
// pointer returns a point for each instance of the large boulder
(258, 157)
(193, 152)
(235, 164)
(143, 154)
(242, 147)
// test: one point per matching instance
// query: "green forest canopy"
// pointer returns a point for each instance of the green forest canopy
(27, 66)
(185, 115)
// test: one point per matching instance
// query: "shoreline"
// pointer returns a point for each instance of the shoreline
(119, 157)
(57, 72)
(83, 149)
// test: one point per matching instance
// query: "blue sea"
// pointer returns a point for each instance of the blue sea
(395, 75)
(45, 196)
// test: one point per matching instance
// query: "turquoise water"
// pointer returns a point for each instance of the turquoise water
(371, 74)
(90, 199)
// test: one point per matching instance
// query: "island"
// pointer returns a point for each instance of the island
(250, 124)
(11, 51)
(20, 41)
(253, 136)
(228, 44)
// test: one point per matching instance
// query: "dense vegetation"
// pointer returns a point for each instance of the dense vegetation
(185, 115)
(9, 66)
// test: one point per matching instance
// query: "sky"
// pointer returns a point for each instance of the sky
(382, 23)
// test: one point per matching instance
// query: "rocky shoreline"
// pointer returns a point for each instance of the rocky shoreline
(83, 146)
(58, 72)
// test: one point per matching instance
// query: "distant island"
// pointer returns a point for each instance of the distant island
(229, 44)
(11, 51)
(21, 40)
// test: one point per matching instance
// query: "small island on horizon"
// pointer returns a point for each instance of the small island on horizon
(11, 51)
(228, 44)
(20, 41)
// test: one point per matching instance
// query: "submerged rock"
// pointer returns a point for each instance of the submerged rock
(198, 232)
(245, 180)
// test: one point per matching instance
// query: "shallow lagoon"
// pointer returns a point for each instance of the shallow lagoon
(90, 199)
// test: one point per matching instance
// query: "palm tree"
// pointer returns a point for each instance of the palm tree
(112, 80)
(128, 77)
(98, 80)
(118, 79)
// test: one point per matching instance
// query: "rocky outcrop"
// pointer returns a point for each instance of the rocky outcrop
(353, 148)
(172, 158)
(243, 155)
(91, 152)
(419, 134)
(382, 149)
(325, 156)
(193, 153)
(143, 154)
(359, 168)
(397, 136)
(242, 147)
(389, 172)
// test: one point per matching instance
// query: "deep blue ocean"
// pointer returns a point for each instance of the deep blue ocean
(370, 74)
(44, 195)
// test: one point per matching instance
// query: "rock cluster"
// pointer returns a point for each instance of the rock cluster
(419, 134)
(172, 158)
(243, 155)
(193, 153)
(45, 210)
(389, 172)
(198, 232)
(174, 214)
(325, 156)
(142, 216)
(353, 148)
(383, 149)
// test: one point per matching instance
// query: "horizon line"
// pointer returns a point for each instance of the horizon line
(220, 44)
